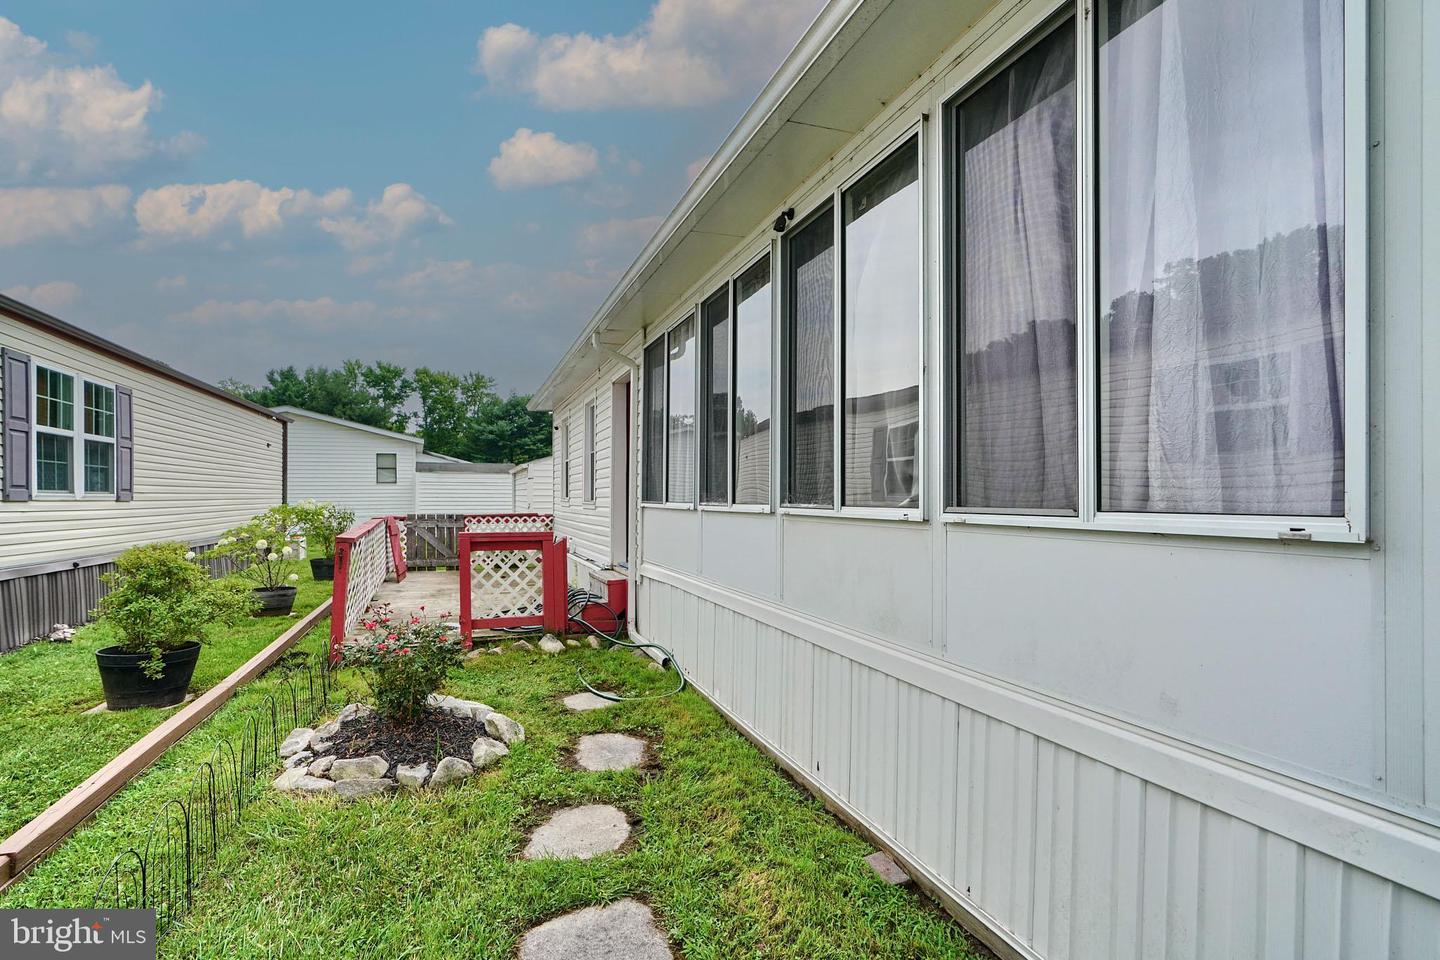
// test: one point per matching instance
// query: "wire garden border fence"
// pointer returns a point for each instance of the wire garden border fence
(161, 870)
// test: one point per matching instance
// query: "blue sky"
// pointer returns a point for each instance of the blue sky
(233, 187)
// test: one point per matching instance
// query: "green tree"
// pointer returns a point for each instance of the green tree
(373, 394)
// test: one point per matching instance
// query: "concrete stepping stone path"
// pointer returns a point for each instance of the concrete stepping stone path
(625, 930)
(579, 833)
(585, 700)
(609, 751)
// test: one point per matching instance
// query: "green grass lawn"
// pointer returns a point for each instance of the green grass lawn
(736, 860)
(49, 745)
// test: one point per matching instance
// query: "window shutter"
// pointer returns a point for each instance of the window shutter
(15, 378)
(124, 444)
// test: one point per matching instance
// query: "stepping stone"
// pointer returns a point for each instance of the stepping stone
(625, 930)
(585, 700)
(579, 833)
(890, 871)
(609, 751)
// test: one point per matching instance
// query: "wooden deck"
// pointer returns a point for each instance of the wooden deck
(438, 591)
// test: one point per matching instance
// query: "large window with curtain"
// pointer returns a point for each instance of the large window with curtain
(715, 394)
(1221, 261)
(753, 348)
(1012, 173)
(881, 332)
(810, 361)
(652, 425)
(680, 436)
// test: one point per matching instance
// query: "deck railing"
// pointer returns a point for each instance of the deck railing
(365, 556)
(432, 539)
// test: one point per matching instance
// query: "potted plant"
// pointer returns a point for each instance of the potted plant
(159, 604)
(264, 556)
(322, 523)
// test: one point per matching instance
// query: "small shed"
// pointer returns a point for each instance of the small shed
(533, 486)
(378, 472)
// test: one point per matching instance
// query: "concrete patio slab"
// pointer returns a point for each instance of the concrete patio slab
(625, 930)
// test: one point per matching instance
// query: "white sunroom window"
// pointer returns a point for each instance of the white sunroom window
(680, 439)
(809, 285)
(1221, 268)
(753, 348)
(881, 330)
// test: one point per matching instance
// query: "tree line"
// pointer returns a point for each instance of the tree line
(458, 415)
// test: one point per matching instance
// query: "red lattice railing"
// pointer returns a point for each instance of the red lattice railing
(365, 556)
(514, 578)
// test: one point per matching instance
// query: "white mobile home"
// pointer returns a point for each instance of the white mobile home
(378, 472)
(104, 448)
(1028, 409)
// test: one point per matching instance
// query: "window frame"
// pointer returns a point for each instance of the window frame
(1353, 524)
(565, 460)
(702, 408)
(644, 413)
(87, 437)
(587, 465)
(900, 130)
(692, 314)
(77, 435)
(765, 249)
(396, 458)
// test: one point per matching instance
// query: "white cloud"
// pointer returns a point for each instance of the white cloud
(530, 159)
(400, 209)
(195, 211)
(244, 208)
(61, 121)
(177, 282)
(52, 297)
(323, 314)
(616, 238)
(508, 287)
(33, 214)
(686, 52)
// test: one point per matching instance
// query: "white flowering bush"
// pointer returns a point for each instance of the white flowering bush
(262, 551)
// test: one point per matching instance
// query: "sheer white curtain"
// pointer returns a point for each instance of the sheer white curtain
(1017, 276)
(1221, 256)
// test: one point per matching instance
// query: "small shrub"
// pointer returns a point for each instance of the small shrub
(322, 523)
(262, 550)
(404, 660)
(161, 600)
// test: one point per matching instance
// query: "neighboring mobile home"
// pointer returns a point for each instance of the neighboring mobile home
(1027, 410)
(104, 448)
(378, 472)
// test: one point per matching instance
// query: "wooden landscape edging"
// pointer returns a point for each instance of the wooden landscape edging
(25, 846)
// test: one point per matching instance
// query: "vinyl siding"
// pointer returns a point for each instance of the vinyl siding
(535, 492)
(463, 493)
(202, 465)
(337, 463)
(586, 524)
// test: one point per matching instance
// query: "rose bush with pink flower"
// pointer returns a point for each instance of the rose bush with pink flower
(404, 659)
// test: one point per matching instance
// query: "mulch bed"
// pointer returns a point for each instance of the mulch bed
(425, 740)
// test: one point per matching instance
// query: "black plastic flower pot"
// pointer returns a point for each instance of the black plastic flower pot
(275, 602)
(127, 686)
(322, 568)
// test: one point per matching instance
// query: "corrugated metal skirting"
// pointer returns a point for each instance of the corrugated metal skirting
(31, 606)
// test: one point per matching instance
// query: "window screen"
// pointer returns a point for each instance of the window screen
(1014, 179)
(680, 413)
(753, 347)
(653, 424)
(1221, 267)
(882, 326)
(715, 397)
(810, 362)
